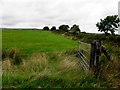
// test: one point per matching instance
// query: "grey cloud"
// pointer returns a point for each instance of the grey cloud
(37, 13)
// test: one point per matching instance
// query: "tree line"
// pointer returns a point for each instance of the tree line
(64, 28)
(108, 25)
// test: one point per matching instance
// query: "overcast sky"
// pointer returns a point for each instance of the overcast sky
(40, 13)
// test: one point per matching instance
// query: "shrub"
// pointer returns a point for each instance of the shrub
(46, 28)
(53, 28)
(14, 55)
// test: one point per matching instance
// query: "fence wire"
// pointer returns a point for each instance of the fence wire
(84, 61)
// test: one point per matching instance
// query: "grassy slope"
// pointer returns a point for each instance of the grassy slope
(110, 70)
(58, 70)
(29, 41)
(45, 70)
(40, 70)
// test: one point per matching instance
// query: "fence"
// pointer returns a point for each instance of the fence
(82, 54)
(93, 62)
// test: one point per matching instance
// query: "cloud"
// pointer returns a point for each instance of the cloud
(38, 13)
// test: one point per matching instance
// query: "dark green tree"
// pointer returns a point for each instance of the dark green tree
(53, 28)
(46, 28)
(64, 28)
(108, 24)
(75, 29)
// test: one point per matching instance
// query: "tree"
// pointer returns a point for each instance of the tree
(64, 28)
(46, 28)
(75, 29)
(109, 24)
(53, 28)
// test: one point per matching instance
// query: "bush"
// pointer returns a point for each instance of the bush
(14, 55)
(46, 28)
(53, 28)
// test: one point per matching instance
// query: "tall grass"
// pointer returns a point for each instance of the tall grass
(41, 70)
(13, 54)
(109, 70)
(57, 69)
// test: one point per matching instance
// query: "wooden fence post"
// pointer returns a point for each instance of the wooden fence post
(105, 52)
(96, 50)
(97, 58)
(92, 54)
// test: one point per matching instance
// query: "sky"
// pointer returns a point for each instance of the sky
(40, 13)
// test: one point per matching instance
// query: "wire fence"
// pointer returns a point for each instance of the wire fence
(90, 59)
(82, 55)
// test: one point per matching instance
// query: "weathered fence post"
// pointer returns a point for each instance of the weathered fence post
(95, 54)
(105, 52)
(97, 57)
(92, 55)
(96, 50)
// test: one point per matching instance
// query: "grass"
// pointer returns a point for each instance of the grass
(51, 62)
(109, 68)
(29, 41)
(42, 70)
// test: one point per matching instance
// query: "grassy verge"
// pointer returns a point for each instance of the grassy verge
(109, 69)
(51, 63)
(57, 70)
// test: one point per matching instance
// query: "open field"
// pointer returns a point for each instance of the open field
(29, 41)
(52, 62)
(42, 70)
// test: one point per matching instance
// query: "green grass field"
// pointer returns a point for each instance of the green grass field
(51, 62)
(57, 68)
(29, 41)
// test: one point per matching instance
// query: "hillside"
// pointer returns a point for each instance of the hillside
(29, 41)
(51, 61)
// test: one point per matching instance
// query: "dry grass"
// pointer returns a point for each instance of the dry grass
(69, 62)
(6, 64)
(111, 72)
(37, 62)
(39, 65)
